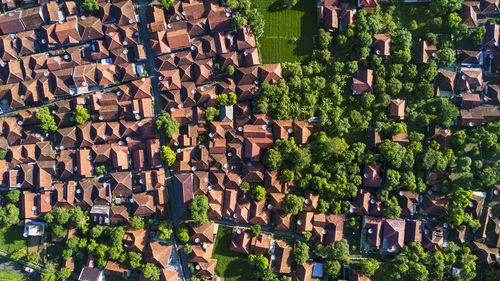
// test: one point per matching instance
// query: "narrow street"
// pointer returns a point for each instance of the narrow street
(153, 74)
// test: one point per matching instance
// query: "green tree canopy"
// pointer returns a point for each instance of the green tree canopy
(168, 155)
(81, 114)
(48, 123)
(166, 125)
(293, 204)
(301, 253)
(199, 208)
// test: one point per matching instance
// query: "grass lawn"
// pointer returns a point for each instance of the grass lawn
(232, 266)
(7, 276)
(288, 34)
(11, 239)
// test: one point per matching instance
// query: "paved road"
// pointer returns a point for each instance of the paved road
(8, 266)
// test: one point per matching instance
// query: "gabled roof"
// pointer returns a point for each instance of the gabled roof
(158, 253)
(135, 239)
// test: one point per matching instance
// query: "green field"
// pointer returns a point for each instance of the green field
(288, 34)
(231, 265)
(7, 276)
(11, 239)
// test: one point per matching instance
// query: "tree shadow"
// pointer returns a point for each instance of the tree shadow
(308, 28)
(237, 267)
(276, 6)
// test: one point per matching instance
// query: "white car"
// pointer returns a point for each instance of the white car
(28, 269)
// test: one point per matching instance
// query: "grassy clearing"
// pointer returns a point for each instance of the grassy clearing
(288, 34)
(11, 239)
(232, 266)
(8, 276)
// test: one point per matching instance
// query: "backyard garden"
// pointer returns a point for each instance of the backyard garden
(231, 265)
(288, 32)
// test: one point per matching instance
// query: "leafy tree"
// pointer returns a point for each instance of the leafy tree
(459, 200)
(324, 38)
(392, 179)
(394, 86)
(79, 218)
(393, 153)
(90, 6)
(96, 231)
(48, 123)
(211, 113)
(13, 196)
(307, 235)
(445, 111)
(239, 22)
(151, 272)
(454, 20)
(477, 34)
(183, 233)
(424, 89)
(401, 40)
(466, 261)
(255, 229)
(137, 222)
(272, 159)
(58, 216)
(63, 273)
(19, 254)
(187, 249)
(168, 155)
(351, 67)
(463, 164)
(115, 235)
(369, 266)
(258, 193)
(338, 250)
(301, 253)
(446, 57)
(134, 260)
(286, 4)
(230, 70)
(293, 204)
(332, 268)
(166, 4)
(81, 115)
(324, 55)
(48, 276)
(199, 208)
(59, 231)
(164, 231)
(258, 261)
(166, 125)
(391, 208)
(431, 38)
(245, 185)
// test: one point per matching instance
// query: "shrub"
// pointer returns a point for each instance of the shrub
(245, 185)
(90, 6)
(211, 113)
(255, 229)
(187, 249)
(137, 222)
(3, 154)
(230, 70)
(101, 170)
